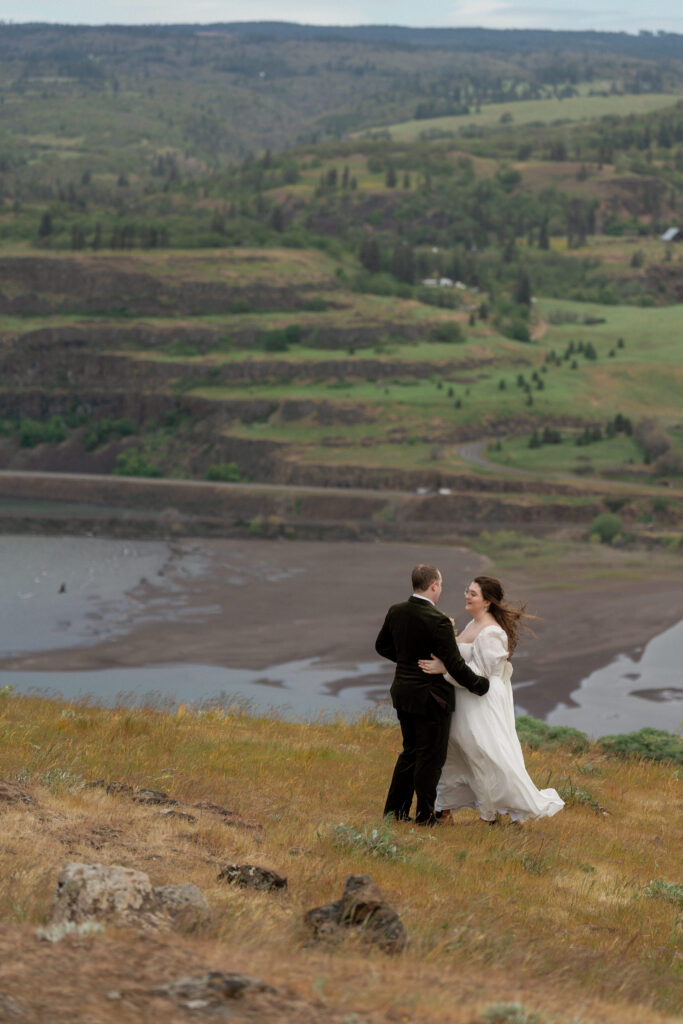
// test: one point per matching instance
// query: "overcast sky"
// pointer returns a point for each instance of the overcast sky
(605, 15)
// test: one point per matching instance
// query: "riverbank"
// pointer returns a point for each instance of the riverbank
(293, 623)
(485, 910)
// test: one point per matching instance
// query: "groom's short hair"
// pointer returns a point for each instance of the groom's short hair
(423, 576)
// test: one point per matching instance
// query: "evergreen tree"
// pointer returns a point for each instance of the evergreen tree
(45, 226)
(370, 254)
(403, 263)
(522, 290)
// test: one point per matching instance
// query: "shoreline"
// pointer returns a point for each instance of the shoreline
(250, 606)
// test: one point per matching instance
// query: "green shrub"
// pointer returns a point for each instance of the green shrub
(240, 306)
(224, 471)
(378, 841)
(33, 432)
(133, 462)
(538, 734)
(606, 526)
(653, 744)
(509, 1013)
(293, 334)
(273, 341)
(450, 333)
(517, 330)
(575, 796)
(669, 891)
(101, 431)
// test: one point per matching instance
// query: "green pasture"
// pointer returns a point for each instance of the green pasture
(566, 457)
(546, 111)
(644, 377)
(652, 335)
(617, 251)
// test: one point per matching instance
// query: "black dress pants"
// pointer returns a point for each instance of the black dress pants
(418, 768)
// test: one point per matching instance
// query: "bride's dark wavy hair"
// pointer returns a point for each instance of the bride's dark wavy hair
(509, 618)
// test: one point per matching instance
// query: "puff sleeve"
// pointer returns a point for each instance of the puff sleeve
(491, 648)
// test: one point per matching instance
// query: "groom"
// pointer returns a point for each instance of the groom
(416, 629)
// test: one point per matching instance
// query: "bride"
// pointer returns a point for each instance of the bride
(484, 766)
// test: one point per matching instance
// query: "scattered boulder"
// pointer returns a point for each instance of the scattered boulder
(168, 812)
(87, 892)
(152, 796)
(361, 910)
(185, 903)
(119, 789)
(10, 793)
(252, 877)
(210, 989)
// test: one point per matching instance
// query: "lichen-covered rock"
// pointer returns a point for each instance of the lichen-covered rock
(105, 893)
(211, 989)
(252, 877)
(87, 892)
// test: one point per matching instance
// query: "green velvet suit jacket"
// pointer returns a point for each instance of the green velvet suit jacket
(416, 629)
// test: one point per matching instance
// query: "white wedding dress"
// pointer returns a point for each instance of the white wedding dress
(484, 766)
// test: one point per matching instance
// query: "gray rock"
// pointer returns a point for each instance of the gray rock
(152, 796)
(99, 892)
(361, 911)
(107, 893)
(119, 789)
(185, 903)
(168, 812)
(211, 989)
(252, 877)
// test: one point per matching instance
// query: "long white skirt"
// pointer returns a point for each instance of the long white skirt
(484, 766)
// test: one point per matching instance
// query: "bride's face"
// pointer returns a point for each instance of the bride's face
(475, 604)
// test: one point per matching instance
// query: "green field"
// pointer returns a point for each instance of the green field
(597, 457)
(547, 111)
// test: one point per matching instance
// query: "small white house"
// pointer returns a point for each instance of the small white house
(672, 235)
(437, 282)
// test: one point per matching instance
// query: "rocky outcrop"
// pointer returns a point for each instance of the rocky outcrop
(107, 285)
(97, 892)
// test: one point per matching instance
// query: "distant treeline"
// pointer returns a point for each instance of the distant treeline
(647, 45)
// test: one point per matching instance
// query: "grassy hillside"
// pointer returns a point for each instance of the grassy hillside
(583, 107)
(573, 918)
(199, 220)
(325, 384)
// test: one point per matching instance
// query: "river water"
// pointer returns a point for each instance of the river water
(62, 593)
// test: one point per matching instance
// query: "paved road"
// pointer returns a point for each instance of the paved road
(163, 482)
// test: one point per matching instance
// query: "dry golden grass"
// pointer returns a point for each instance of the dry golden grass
(552, 914)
